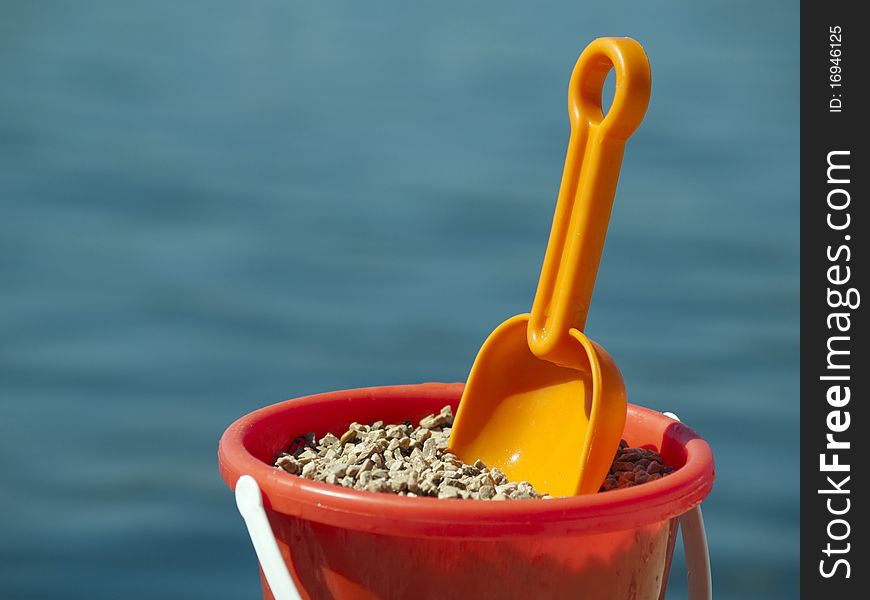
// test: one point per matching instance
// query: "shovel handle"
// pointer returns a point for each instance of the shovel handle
(589, 180)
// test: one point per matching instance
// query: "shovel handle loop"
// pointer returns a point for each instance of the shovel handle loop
(585, 200)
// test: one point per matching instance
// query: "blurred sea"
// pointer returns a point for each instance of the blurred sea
(210, 206)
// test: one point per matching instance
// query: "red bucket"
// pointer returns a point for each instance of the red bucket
(340, 543)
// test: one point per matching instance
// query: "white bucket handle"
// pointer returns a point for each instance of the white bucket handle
(700, 579)
(250, 503)
(697, 556)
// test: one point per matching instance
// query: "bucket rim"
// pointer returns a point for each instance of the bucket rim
(621, 509)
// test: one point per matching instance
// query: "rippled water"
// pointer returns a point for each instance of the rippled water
(206, 207)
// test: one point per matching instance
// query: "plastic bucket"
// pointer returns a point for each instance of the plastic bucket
(346, 544)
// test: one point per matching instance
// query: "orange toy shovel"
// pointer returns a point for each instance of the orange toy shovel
(544, 403)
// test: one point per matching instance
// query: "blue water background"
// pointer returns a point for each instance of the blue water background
(210, 206)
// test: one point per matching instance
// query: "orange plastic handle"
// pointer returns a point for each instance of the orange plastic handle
(589, 180)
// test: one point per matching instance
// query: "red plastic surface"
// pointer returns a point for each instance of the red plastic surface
(342, 543)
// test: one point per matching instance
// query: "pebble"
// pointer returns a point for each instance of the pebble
(413, 461)
(634, 466)
(400, 459)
